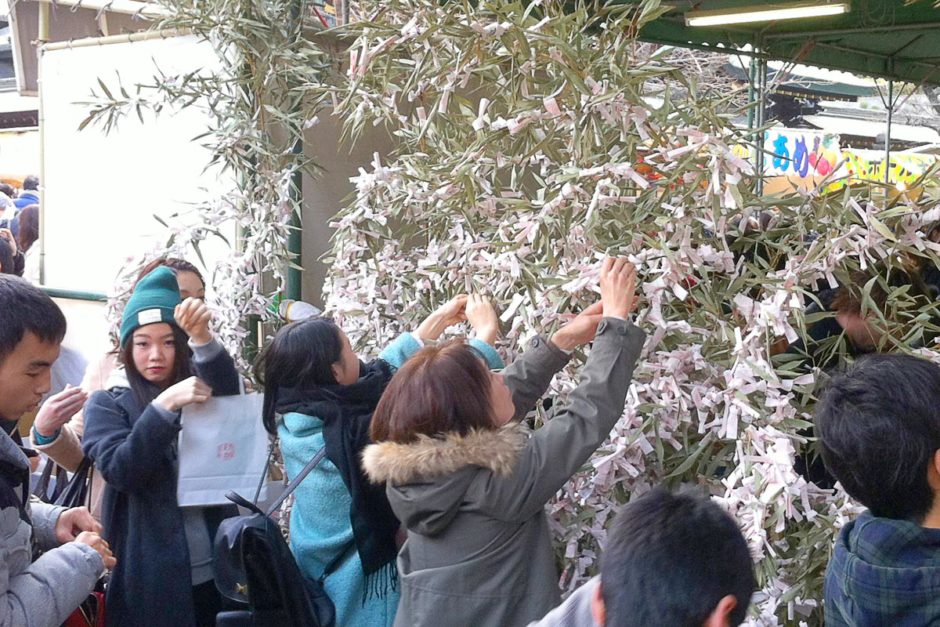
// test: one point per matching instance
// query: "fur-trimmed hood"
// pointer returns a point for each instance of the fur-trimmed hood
(428, 458)
(428, 479)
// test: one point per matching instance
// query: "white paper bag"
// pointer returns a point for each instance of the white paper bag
(223, 446)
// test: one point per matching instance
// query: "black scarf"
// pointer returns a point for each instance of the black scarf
(346, 412)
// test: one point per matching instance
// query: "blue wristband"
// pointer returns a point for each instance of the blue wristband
(42, 440)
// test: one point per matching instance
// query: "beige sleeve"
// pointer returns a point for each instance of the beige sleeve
(66, 449)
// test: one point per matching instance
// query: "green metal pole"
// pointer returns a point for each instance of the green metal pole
(761, 120)
(751, 110)
(888, 132)
(75, 295)
(295, 236)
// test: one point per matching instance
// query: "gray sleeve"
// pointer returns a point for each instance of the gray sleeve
(559, 448)
(172, 417)
(529, 375)
(203, 353)
(45, 592)
(44, 517)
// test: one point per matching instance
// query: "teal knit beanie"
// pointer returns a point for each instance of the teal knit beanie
(154, 300)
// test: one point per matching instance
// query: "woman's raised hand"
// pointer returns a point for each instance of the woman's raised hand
(482, 317)
(58, 410)
(618, 287)
(580, 329)
(453, 311)
(450, 313)
(618, 298)
(193, 316)
(186, 392)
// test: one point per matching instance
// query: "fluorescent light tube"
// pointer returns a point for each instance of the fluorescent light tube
(769, 13)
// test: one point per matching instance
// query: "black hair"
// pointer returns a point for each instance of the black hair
(31, 182)
(8, 189)
(669, 560)
(26, 309)
(299, 356)
(174, 264)
(7, 263)
(879, 428)
(144, 391)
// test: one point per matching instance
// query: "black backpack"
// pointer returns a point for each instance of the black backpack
(255, 569)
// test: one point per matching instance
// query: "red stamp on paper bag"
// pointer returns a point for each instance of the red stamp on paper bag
(226, 451)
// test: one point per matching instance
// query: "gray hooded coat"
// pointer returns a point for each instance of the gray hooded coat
(479, 550)
(44, 592)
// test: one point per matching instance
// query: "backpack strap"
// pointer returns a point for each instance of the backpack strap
(336, 561)
(264, 475)
(296, 481)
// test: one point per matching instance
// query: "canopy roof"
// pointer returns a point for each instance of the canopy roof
(796, 83)
(872, 129)
(885, 38)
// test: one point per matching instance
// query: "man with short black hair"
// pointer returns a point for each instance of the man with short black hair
(40, 593)
(672, 559)
(879, 430)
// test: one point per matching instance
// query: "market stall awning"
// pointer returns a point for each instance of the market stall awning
(872, 129)
(885, 38)
(802, 80)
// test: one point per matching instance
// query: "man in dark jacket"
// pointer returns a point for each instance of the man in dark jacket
(29, 195)
(41, 592)
(879, 427)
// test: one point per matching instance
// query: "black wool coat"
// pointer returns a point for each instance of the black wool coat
(133, 448)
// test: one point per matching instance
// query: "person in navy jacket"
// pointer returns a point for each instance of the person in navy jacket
(164, 572)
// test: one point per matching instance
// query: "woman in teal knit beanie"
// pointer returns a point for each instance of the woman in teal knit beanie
(164, 576)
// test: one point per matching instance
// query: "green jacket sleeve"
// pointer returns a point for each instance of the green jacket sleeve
(558, 449)
(529, 375)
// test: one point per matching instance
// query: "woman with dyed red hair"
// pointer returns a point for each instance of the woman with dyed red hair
(470, 483)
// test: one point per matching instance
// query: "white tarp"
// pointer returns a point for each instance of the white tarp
(102, 191)
(872, 128)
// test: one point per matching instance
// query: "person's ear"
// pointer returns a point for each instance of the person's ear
(598, 611)
(337, 369)
(721, 615)
(933, 472)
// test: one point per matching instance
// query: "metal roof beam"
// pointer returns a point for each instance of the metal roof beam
(851, 31)
(908, 45)
(876, 55)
